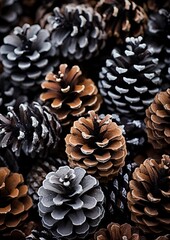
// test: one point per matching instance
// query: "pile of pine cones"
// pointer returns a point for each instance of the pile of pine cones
(84, 119)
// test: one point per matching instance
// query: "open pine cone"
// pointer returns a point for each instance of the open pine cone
(78, 31)
(148, 199)
(115, 231)
(70, 94)
(96, 145)
(32, 129)
(123, 18)
(27, 55)
(130, 79)
(71, 203)
(14, 200)
(158, 122)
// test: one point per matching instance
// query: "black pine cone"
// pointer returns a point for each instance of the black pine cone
(32, 129)
(78, 31)
(27, 55)
(130, 79)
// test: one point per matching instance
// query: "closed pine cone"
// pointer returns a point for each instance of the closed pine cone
(148, 199)
(116, 231)
(14, 200)
(97, 146)
(158, 122)
(123, 18)
(70, 94)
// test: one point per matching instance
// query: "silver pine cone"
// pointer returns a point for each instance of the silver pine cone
(130, 79)
(32, 129)
(78, 31)
(70, 203)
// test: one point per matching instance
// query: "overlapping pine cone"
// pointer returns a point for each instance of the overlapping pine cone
(116, 231)
(14, 201)
(158, 122)
(97, 145)
(123, 18)
(148, 198)
(70, 94)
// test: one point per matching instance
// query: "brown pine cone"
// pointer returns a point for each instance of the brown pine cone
(70, 94)
(123, 18)
(14, 200)
(148, 199)
(158, 122)
(115, 231)
(97, 145)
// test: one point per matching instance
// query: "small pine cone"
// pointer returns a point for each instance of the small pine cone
(118, 190)
(38, 174)
(10, 10)
(14, 200)
(158, 122)
(123, 18)
(148, 199)
(130, 79)
(97, 145)
(77, 31)
(116, 231)
(32, 129)
(27, 55)
(8, 159)
(70, 94)
(71, 203)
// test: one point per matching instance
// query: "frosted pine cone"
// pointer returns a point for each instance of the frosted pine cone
(14, 200)
(27, 55)
(97, 146)
(10, 10)
(70, 94)
(130, 79)
(115, 231)
(158, 122)
(148, 199)
(71, 203)
(78, 31)
(32, 129)
(123, 18)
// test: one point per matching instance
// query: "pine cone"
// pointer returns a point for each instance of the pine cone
(8, 159)
(14, 200)
(148, 199)
(40, 235)
(97, 146)
(27, 56)
(166, 237)
(158, 122)
(10, 10)
(38, 174)
(77, 31)
(115, 231)
(130, 79)
(123, 18)
(70, 94)
(153, 5)
(32, 129)
(159, 25)
(71, 203)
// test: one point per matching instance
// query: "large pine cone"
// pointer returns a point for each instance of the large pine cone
(14, 200)
(158, 122)
(123, 18)
(10, 11)
(148, 199)
(116, 231)
(71, 203)
(96, 145)
(130, 79)
(78, 31)
(32, 129)
(70, 94)
(27, 55)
